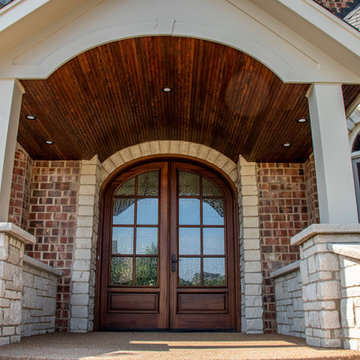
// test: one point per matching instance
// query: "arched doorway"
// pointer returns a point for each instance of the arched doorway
(168, 249)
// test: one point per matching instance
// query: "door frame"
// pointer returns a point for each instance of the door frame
(174, 157)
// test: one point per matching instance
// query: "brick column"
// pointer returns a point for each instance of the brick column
(250, 257)
(320, 275)
(12, 243)
(84, 265)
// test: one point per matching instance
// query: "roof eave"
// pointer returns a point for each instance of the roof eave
(328, 23)
(18, 10)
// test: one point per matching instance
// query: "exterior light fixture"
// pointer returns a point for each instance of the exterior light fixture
(31, 117)
(49, 142)
(166, 89)
(301, 120)
(286, 145)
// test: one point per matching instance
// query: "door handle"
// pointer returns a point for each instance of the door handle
(173, 262)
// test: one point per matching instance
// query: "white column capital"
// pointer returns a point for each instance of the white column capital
(20, 86)
(13, 83)
(335, 182)
(314, 86)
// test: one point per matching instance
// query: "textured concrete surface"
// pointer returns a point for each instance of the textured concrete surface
(165, 345)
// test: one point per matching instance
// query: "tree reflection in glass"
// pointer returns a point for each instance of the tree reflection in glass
(214, 272)
(146, 271)
(121, 270)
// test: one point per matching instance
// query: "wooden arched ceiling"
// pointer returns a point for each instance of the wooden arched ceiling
(110, 97)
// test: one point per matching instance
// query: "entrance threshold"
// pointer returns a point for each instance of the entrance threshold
(167, 345)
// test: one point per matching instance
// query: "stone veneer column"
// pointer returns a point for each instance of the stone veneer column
(320, 275)
(12, 244)
(84, 265)
(250, 257)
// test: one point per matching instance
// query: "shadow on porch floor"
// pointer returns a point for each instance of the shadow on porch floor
(167, 345)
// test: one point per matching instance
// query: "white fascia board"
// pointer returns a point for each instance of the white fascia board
(327, 22)
(25, 18)
(336, 39)
(73, 26)
(282, 22)
(17, 10)
(47, 49)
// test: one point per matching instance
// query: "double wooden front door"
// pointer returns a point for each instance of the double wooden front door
(168, 250)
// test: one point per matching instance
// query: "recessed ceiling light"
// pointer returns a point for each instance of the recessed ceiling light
(49, 142)
(286, 145)
(166, 89)
(358, 108)
(302, 120)
(31, 117)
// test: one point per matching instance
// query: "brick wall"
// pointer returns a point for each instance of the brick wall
(283, 212)
(311, 191)
(336, 6)
(52, 219)
(20, 189)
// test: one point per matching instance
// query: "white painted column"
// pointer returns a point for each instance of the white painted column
(11, 92)
(335, 183)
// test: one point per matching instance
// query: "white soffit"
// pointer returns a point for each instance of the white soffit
(267, 30)
(21, 19)
(331, 35)
(18, 10)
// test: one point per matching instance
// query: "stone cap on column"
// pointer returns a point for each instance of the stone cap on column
(327, 229)
(348, 250)
(16, 232)
(40, 265)
(287, 269)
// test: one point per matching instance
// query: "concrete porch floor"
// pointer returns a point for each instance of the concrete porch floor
(167, 345)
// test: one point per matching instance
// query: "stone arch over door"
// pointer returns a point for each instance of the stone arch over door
(95, 174)
(172, 147)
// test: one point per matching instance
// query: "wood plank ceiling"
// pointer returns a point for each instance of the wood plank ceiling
(111, 97)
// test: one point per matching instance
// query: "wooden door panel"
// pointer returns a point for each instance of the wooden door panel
(203, 303)
(203, 322)
(134, 303)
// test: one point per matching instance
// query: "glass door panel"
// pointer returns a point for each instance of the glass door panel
(189, 241)
(135, 231)
(201, 229)
(202, 275)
